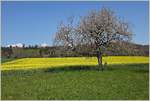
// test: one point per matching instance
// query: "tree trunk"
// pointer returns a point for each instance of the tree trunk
(99, 57)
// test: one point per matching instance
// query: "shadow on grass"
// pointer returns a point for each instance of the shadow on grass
(73, 68)
(136, 68)
(142, 68)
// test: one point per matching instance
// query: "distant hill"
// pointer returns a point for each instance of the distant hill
(130, 49)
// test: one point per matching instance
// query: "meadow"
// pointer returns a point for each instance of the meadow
(75, 78)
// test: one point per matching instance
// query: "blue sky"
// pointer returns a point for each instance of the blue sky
(33, 23)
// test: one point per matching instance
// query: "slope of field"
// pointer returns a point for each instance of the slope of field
(33, 63)
(3, 60)
(117, 82)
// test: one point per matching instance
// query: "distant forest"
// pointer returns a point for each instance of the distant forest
(79, 51)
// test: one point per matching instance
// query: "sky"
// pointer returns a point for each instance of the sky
(36, 22)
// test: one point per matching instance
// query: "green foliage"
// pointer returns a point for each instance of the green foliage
(122, 82)
(20, 52)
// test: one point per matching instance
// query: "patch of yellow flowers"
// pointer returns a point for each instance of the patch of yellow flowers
(32, 63)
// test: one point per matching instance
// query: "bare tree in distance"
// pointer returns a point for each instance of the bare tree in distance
(65, 35)
(97, 29)
(101, 28)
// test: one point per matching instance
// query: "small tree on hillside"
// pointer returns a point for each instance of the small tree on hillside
(101, 28)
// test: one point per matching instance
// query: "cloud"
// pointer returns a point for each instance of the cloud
(44, 45)
(16, 45)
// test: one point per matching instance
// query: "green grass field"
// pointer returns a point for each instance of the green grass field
(124, 78)
(3, 60)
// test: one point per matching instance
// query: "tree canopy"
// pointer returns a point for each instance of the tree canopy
(97, 28)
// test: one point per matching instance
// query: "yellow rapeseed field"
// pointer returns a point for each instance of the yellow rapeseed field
(32, 63)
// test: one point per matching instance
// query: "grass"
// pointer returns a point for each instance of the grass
(118, 82)
(33, 63)
(75, 78)
(3, 60)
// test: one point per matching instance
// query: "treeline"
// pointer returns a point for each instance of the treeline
(114, 50)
